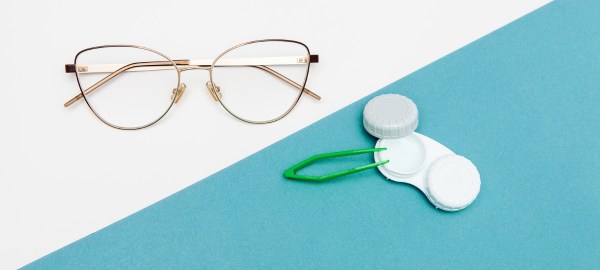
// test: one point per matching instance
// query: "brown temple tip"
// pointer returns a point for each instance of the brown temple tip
(70, 68)
(310, 93)
(76, 98)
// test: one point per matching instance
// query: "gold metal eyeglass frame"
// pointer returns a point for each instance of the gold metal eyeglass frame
(184, 65)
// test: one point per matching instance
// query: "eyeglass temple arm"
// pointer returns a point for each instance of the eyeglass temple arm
(292, 83)
(70, 68)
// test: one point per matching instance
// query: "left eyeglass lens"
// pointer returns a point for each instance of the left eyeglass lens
(138, 96)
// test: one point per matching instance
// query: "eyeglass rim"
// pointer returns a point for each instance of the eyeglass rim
(125, 46)
(248, 43)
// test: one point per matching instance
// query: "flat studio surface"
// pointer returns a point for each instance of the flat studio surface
(521, 103)
(65, 175)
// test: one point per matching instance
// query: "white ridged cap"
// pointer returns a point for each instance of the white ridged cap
(452, 183)
(390, 116)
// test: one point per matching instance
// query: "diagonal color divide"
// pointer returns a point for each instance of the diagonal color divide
(50, 197)
(521, 103)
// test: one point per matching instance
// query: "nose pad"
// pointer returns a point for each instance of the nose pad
(177, 93)
(212, 93)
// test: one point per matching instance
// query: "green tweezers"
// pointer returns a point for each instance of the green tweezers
(291, 172)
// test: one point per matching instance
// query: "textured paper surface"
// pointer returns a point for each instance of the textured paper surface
(520, 103)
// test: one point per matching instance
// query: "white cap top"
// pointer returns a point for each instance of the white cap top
(452, 183)
(390, 116)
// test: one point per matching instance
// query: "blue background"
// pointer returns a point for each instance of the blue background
(522, 103)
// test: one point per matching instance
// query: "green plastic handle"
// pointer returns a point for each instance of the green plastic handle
(291, 172)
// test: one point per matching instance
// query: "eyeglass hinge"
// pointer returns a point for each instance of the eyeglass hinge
(70, 68)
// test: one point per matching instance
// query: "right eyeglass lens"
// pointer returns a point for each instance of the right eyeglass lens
(252, 79)
(136, 97)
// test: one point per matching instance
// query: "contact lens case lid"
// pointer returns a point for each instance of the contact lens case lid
(390, 116)
(452, 182)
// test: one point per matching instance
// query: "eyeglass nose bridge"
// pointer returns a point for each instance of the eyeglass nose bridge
(209, 86)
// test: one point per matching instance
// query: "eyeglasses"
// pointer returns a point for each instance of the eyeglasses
(258, 82)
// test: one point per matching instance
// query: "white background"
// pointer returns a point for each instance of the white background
(64, 174)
